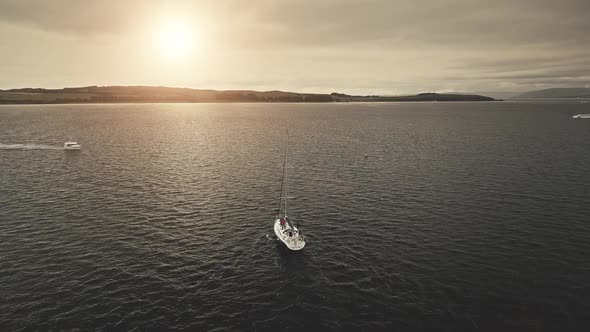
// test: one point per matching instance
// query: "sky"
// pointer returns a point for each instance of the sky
(386, 47)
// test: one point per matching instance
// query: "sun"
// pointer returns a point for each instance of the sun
(176, 40)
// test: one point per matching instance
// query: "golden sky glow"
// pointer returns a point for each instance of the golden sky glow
(351, 46)
(176, 39)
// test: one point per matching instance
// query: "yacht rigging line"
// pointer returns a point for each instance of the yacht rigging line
(283, 189)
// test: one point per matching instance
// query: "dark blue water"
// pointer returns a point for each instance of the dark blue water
(464, 216)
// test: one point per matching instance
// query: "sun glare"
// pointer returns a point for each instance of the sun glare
(176, 40)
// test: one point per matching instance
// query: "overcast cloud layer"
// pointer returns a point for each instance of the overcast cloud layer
(371, 46)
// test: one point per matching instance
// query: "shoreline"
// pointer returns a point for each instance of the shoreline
(252, 102)
(152, 94)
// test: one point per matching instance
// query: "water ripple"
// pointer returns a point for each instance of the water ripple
(464, 216)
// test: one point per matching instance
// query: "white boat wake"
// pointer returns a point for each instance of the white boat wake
(28, 146)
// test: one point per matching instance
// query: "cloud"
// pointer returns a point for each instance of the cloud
(476, 24)
(486, 42)
(71, 16)
(332, 22)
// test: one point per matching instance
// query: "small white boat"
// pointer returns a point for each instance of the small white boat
(581, 116)
(284, 229)
(72, 146)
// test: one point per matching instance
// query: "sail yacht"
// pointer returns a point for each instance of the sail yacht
(285, 229)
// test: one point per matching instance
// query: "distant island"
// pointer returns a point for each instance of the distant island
(557, 93)
(153, 94)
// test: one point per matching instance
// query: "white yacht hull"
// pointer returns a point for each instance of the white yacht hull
(294, 242)
(581, 116)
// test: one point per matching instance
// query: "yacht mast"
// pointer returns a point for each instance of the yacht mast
(285, 171)
(284, 182)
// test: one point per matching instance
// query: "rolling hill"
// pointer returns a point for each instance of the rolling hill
(557, 93)
(156, 94)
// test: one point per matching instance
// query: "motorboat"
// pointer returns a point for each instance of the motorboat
(286, 231)
(581, 116)
(72, 146)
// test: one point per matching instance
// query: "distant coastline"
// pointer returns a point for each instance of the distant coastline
(563, 93)
(153, 94)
